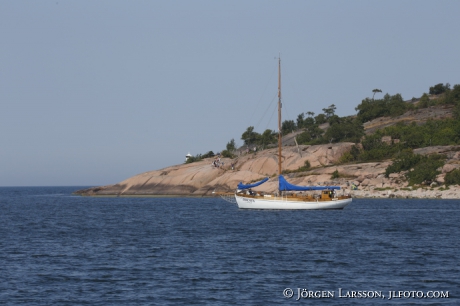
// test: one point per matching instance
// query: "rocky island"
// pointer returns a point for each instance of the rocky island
(203, 179)
(391, 148)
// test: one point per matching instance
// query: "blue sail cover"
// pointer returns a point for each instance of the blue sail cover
(241, 186)
(285, 186)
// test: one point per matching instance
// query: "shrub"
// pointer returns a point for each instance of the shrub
(226, 153)
(231, 146)
(453, 177)
(304, 137)
(405, 161)
(439, 88)
(306, 166)
(335, 174)
(209, 154)
(424, 101)
(426, 169)
(388, 106)
(346, 158)
(199, 157)
(193, 159)
(421, 168)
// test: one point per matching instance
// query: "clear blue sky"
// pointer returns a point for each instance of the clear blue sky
(94, 92)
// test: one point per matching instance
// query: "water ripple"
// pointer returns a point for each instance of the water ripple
(64, 250)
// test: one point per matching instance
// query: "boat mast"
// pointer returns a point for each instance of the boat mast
(279, 115)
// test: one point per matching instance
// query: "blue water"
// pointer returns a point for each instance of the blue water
(59, 249)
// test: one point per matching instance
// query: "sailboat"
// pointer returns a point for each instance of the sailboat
(327, 199)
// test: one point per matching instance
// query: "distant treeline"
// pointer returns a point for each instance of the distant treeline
(351, 128)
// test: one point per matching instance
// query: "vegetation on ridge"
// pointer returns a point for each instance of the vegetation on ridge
(419, 168)
(327, 127)
(350, 128)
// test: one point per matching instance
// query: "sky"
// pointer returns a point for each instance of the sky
(94, 92)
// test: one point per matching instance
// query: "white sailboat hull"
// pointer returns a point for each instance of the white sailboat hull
(285, 203)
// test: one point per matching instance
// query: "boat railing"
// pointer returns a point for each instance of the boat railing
(229, 197)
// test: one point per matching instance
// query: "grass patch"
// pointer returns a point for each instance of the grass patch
(383, 189)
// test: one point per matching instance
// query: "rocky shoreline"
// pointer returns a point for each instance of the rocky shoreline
(453, 192)
(203, 178)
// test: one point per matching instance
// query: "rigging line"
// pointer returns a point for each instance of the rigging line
(286, 112)
(269, 121)
(262, 95)
(266, 110)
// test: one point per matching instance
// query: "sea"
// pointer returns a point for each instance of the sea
(57, 248)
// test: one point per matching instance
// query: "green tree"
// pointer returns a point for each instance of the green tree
(207, 155)
(424, 101)
(288, 126)
(446, 95)
(231, 145)
(414, 139)
(268, 137)
(329, 111)
(396, 105)
(334, 119)
(334, 133)
(439, 88)
(375, 91)
(345, 129)
(355, 152)
(309, 122)
(250, 137)
(369, 109)
(374, 149)
(388, 106)
(304, 137)
(300, 120)
(320, 119)
(455, 94)
(315, 131)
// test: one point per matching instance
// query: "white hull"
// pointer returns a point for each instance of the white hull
(284, 203)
